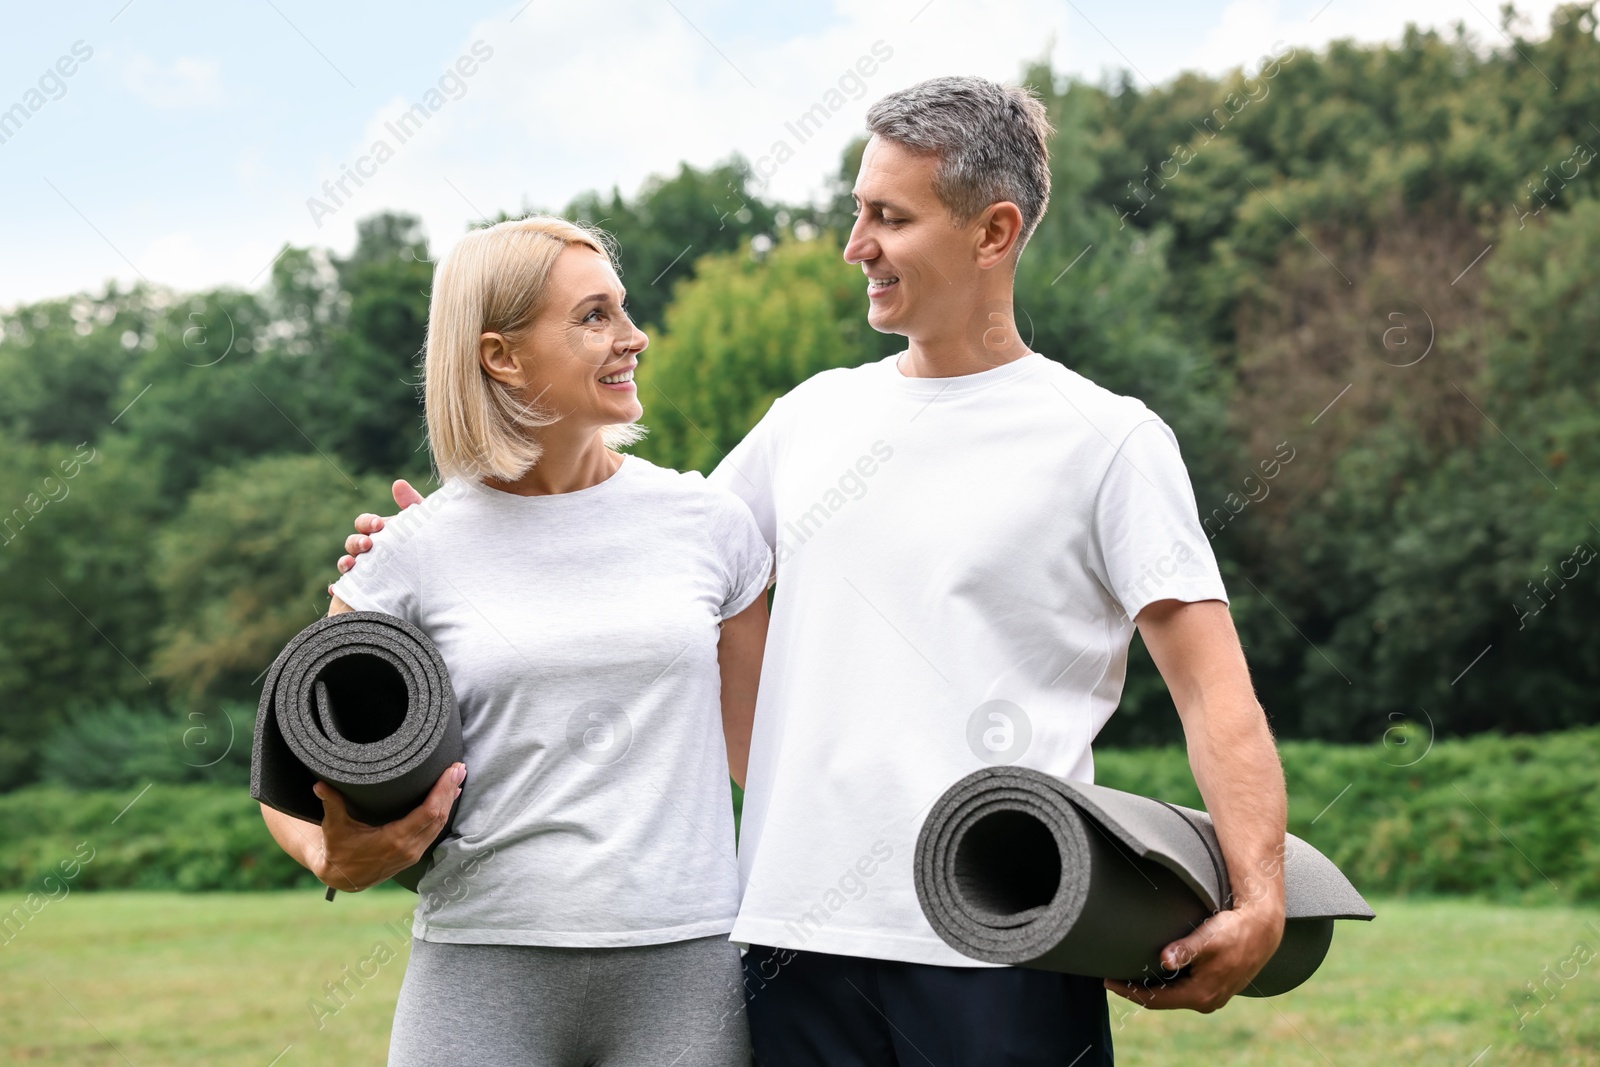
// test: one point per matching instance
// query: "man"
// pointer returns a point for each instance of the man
(966, 535)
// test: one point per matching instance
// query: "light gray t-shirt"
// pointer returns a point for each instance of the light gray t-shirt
(580, 631)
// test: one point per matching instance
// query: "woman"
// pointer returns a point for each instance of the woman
(602, 619)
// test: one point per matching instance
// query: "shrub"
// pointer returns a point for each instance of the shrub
(1506, 818)
(118, 746)
(1503, 818)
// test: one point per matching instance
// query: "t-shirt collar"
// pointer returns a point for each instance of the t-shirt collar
(964, 383)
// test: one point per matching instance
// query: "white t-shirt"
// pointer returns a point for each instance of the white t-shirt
(959, 563)
(580, 631)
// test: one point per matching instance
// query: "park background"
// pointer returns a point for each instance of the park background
(1360, 281)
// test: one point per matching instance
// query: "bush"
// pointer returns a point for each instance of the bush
(119, 746)
(1505, 818)
(1510, 819)
(170, 836)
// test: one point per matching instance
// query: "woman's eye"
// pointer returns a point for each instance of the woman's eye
(591, 314)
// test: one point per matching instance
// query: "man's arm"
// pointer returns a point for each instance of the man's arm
(368, 523)
(1235, 764)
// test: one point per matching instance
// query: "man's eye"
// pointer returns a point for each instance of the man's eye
(892, 222)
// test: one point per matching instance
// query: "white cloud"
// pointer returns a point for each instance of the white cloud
(540, 124)
(250, 167)
(559, 109)
(1248, 29)
(183, 83)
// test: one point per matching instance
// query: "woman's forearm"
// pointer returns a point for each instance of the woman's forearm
(300, 839)
(739, 651)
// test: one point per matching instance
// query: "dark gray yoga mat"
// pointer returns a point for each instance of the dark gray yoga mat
(361, 701)
(1016, 866)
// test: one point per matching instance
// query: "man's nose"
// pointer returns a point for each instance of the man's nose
(860, 247)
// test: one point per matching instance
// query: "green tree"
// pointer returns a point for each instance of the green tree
(745, 331)
(367, 398)
(78, 611)
(246, 566)
(63, 361)
(672, 223)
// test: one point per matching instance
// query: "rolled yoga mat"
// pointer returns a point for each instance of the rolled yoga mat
(361, 701)
(1016, 866)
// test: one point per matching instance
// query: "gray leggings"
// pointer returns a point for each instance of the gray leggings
(680, 1004)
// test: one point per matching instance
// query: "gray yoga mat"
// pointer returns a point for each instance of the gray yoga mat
(1016, 866)
(361, 701)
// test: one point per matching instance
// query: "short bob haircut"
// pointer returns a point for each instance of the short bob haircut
(494, 281)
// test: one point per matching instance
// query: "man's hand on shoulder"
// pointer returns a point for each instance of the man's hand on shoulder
(368, 524)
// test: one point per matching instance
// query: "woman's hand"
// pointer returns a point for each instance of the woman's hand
(354, 856)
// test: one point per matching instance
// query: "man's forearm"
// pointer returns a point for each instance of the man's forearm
(1231, 750)
(1236, 766)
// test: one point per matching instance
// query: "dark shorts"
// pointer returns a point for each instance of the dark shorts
(812, 1009)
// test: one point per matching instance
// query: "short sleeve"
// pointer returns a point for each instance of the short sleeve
(386, 578)
(740, 551)
(747, 472)
(1148, 543)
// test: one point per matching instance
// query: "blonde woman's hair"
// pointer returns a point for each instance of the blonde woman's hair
(494, 281)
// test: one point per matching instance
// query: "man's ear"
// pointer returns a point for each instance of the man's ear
(494, 355)
(999, 230)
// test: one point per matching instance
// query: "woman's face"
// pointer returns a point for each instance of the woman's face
(577, 359)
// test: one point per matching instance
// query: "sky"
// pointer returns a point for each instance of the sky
(185, 142)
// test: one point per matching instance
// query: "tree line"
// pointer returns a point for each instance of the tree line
(1372, 271)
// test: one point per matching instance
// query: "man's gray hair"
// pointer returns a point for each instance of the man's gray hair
(992, 141)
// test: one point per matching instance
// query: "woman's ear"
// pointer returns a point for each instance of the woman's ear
(494, 354)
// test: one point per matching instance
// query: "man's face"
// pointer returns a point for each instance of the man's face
(918, 262)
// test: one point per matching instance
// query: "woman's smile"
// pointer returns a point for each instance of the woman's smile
(622, 380)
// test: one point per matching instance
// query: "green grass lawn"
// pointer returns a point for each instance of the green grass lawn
(149, 978)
